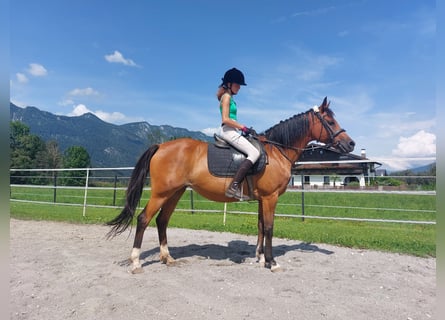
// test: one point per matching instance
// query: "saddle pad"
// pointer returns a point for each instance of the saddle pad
(224, 162)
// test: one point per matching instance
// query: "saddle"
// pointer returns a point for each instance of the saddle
(223, 159)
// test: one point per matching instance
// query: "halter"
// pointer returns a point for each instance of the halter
(326, 126)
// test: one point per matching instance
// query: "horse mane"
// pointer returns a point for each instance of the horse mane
(286, 132)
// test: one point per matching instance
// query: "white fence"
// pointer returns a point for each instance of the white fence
(118, 179)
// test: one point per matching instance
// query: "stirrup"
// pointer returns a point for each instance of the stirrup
(237, 193)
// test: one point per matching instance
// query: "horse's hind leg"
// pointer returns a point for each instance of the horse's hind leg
(143, 220)
(162, 223)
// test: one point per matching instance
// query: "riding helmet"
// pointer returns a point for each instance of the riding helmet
(233, 76)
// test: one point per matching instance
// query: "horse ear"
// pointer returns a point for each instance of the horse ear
(325, 101)
(324, 104)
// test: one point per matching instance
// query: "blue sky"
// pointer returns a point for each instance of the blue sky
(162, 61)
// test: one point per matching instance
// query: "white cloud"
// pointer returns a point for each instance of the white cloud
(117, 57)
(21, 78)
(66, 102)
(37, 70)
(83, 92)
(111, 117)
(73, 95)
(421, 144)
(79, 110)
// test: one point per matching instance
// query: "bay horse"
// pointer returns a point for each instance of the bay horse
(175, 165)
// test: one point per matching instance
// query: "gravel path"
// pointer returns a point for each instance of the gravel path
(66, 271)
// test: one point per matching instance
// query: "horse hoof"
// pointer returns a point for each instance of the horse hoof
(261, 260)
(275, 268)
(169, 261)
(137, 270)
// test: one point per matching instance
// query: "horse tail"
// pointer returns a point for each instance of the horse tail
(133, 194)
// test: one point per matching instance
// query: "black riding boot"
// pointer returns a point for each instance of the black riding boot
(234, 190)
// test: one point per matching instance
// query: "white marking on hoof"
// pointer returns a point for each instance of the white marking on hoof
(170, 261)
(262, 260)
(276, 268)
(164, 255)
(134, 258)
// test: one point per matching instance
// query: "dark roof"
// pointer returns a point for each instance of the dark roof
(311, 162)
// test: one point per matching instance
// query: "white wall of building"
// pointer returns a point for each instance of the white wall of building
(321, 180)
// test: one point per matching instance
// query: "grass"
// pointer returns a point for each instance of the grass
(418, 240)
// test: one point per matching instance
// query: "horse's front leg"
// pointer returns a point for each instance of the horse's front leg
(268, 208)
(260, 241)
(268, 256)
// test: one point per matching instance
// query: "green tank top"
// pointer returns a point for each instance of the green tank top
(232, 108)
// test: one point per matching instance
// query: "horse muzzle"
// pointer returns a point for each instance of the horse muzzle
(345, 146)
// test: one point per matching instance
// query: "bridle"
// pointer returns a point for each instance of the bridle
(327, 127)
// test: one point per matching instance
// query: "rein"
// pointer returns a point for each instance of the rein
(325, 125)
(281, 146)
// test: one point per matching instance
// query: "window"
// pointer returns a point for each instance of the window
(326, 180)
(349, 180)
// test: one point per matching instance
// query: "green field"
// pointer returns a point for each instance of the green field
(413, 239)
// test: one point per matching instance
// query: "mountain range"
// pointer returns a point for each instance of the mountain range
(108, 145)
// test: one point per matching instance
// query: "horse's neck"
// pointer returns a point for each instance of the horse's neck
(293, 149)
(297, 149)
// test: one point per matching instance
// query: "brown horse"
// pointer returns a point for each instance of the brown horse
(175, 165)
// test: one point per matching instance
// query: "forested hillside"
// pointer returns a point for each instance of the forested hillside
(108, 145)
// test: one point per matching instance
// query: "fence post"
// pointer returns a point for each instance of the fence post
(302, 197)
(114, 192)
(191, 202)
(55, 187)
(86, 192)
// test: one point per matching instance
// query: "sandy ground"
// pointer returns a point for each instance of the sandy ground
(64, 271)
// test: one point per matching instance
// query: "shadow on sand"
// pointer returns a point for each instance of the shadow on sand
(236, 251)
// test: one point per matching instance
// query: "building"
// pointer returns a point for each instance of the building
(321, 166)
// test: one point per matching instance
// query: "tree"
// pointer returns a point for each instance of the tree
(75, 157)
(16, 131)
(335, 178)
(24, 149)
(24, 146)
(50, 158)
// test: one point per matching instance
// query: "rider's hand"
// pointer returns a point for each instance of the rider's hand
(248, 131)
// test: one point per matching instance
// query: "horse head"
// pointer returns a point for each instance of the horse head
(327, 130)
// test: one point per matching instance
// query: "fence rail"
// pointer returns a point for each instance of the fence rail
(19, 193)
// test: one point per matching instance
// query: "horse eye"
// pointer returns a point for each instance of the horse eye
(331, 123)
